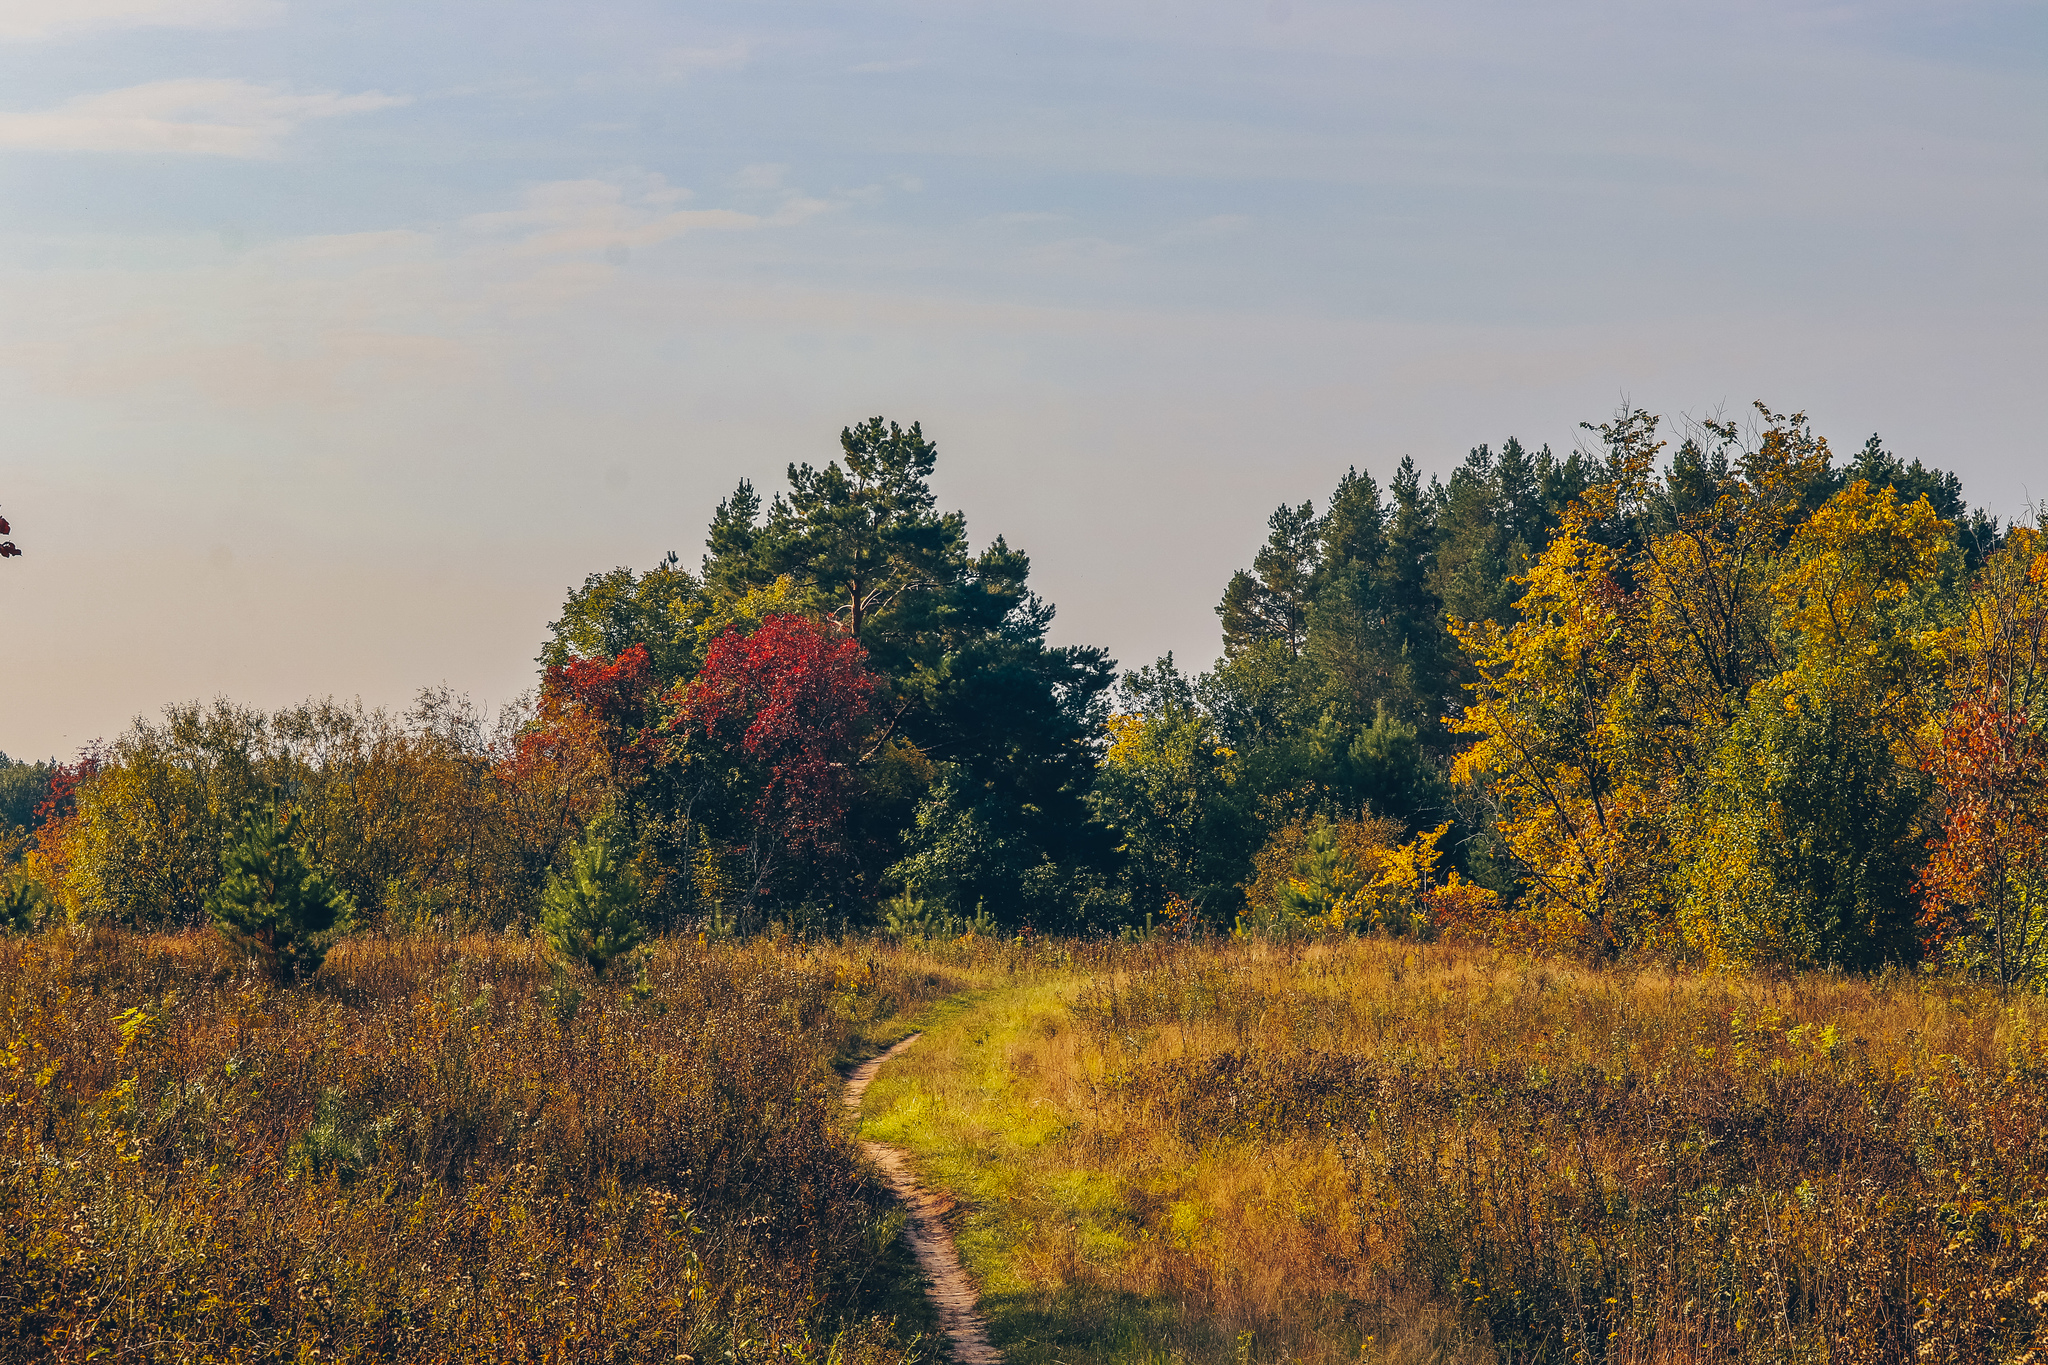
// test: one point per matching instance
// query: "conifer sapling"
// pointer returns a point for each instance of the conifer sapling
(24, 905)
(592, 914)
(273, 903)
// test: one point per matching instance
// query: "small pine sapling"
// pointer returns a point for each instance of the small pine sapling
(1325, 879)
(24, 905)
(592, 914)
(276, 905)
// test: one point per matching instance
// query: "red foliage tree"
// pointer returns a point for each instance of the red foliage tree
(590, 734)
(1989, 869)
(62, 794)
(605, 701)
(8, 549)
(793, 699)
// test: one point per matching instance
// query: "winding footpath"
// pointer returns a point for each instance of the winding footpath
(951, 1292)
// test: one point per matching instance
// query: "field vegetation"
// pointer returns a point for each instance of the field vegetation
(1386, 1151)
(442, 1149)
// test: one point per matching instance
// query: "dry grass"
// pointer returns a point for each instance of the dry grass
(434, 1153)
(1375, 1150)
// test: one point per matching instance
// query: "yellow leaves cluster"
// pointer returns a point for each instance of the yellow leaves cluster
(2004, 632)
(1345, 876)
(1852, 595)
(783, 597)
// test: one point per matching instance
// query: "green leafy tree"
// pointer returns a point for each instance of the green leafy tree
(612, 612)
(1163, 789)
(592, 915)
(273, 903)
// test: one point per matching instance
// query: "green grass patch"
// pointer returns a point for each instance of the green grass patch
(969, 1103)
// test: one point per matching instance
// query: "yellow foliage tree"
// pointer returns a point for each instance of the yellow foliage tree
(1799, 848)
(1638, 729)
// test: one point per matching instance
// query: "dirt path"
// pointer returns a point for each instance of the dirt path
(952, 1293)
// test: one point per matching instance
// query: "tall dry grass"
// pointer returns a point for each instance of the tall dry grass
(438, 1151)
(1372, 1148)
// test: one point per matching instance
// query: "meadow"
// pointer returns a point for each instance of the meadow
(442, 1149)
(447, 1148)
(1376, 1150)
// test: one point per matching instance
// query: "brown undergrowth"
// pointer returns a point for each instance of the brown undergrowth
(1377, 1150)
(441, 1151)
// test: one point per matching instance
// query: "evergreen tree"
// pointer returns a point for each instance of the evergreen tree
(975, 695)
(1272, 601)
(867, 534)
(1354, 529)
(273, 903)
(23, 787)
(735, 565)
(24, 905)
(1324, 880)
(1474, 534)
(592, 914)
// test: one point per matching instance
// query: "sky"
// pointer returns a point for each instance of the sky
(338, 339)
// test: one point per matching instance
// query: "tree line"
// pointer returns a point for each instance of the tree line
(1717, 696)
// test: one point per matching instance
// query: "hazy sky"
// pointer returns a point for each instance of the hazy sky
(336, 339)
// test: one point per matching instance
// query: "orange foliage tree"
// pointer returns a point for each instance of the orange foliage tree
(1986, 886)
(1988, 877)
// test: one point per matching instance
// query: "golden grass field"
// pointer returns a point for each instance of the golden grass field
(437, 1151)
(445, 1150)
(1376, 1150)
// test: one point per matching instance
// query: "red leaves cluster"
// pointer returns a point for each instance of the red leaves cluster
(592, 733)
(793, 697)
(1992, 767)
(65, 779)
(606, 702)
(8, 549)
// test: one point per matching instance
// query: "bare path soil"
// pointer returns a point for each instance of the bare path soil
(952, 1293)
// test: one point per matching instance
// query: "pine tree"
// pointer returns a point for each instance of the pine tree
(273, 903)
(1271, 602)
(592, 915)
(24, 905)
(1325, 878)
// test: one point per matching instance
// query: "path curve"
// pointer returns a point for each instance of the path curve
(951, 1292)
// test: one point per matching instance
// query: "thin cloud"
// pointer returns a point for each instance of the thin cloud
(28, 21)
(1027, 218)
(1211, 229)
(687, 61)
(572, 217)
(189, 117)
